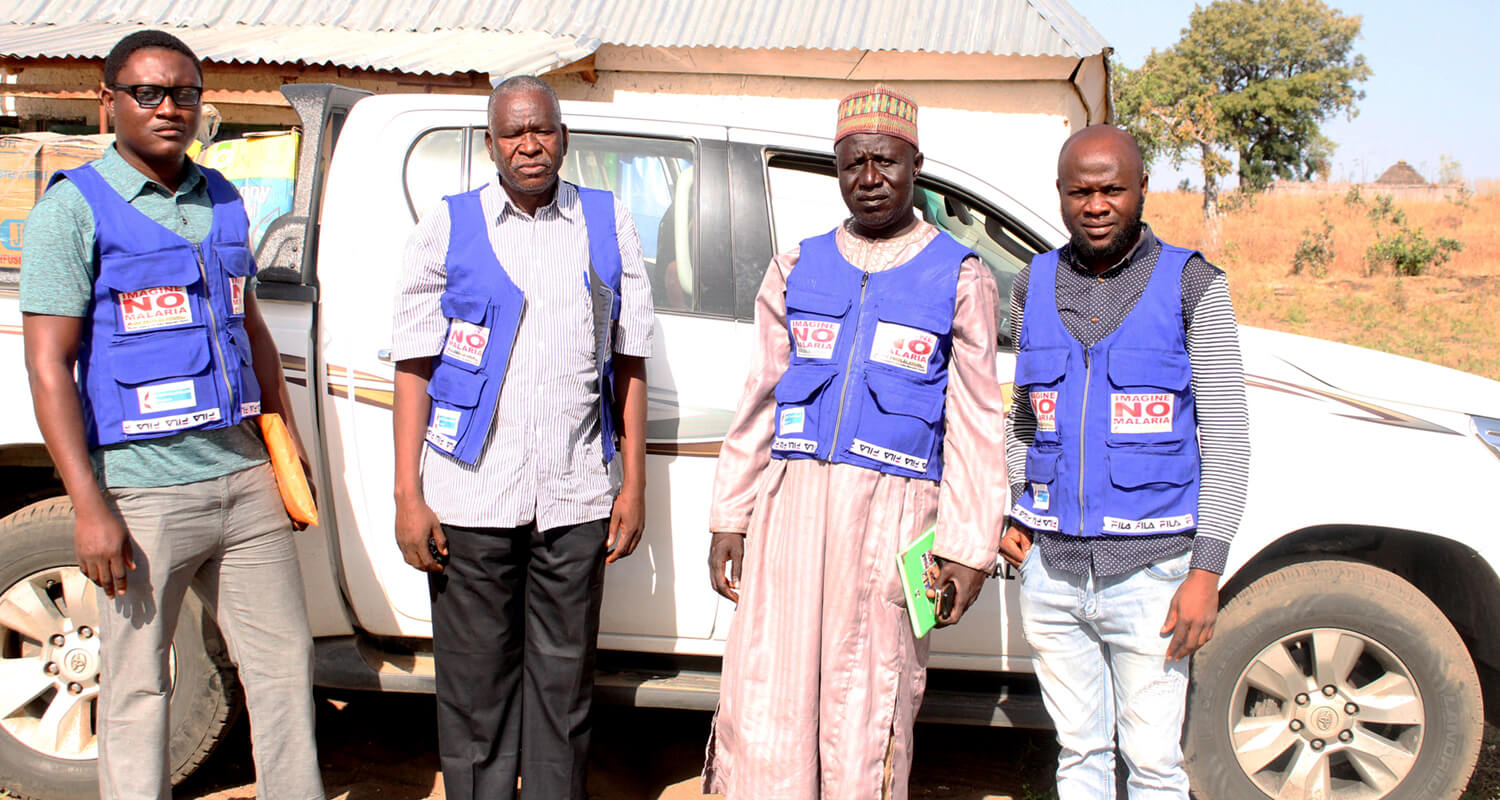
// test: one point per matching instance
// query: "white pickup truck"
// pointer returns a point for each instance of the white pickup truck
(1358, 637)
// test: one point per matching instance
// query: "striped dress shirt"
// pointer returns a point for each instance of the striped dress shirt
(543, 461)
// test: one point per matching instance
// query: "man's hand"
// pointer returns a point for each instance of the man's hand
(415, 525)
(626, 521)
(726, 550)
(1015, 544)
(1191, 618)
(967, 581)
(103, 549)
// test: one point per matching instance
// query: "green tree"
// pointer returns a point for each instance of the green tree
(1255, 78)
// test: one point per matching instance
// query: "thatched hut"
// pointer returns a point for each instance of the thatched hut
(1401, 174)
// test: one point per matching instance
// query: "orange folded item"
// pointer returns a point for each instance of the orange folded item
(290, 479)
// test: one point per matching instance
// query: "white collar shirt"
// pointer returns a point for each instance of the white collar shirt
(543, 460)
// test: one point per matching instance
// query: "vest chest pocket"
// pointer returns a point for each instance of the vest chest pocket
(898, 424)
(455, 394)
(1147, 390)
(801, 409)
(164, 382)
(1041, 371)
(469, 330)
(910, 338)
(153, 291)
(814, 320)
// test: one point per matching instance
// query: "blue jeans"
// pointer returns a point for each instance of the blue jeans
(1101, 661)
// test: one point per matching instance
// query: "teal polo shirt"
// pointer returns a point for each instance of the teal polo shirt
(57, 278)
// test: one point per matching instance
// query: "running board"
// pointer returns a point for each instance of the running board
(952, 697)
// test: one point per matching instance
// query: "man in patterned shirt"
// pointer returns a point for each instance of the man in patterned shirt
(1130, 431)
(521, 331)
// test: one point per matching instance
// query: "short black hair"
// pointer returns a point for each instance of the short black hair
(141, 40)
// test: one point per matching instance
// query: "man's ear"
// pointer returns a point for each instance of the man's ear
(107, 98)
(916, 164)
(1145, 181)
(564, 152)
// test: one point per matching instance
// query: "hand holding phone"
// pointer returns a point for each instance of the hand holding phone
(947, 600)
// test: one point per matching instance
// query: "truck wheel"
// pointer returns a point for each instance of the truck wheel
(1335, 680)
(49, 666)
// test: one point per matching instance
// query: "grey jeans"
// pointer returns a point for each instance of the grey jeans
(228, 538)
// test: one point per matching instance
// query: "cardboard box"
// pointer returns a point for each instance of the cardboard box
(27, 161)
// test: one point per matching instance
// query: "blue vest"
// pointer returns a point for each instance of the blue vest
(868, 374)
(1116, 447)
(166, 348)
(484, 306)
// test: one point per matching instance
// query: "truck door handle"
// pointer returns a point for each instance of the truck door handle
(384, 354)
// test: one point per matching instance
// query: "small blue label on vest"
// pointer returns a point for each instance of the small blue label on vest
(445, 422)
(1041, 497)
(793, 420)
(166, 397)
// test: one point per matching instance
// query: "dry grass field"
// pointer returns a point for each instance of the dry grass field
(1446, 315)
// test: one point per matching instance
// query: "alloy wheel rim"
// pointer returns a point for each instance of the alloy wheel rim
(49, 663)
(1326, 713)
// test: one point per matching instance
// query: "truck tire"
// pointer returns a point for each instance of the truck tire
(43, 595)
(1332, 679)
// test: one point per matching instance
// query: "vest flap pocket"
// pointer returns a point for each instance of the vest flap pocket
(1041, 466)
(929, 318)
(799, 383)
(236, 260)
(1162, 369)
(895, 396)
(1041, 366)
(241, 339)
(798, 299)
(467, 307)
(167, 354)
(132, 273)
(456, 387)
(1135, 470)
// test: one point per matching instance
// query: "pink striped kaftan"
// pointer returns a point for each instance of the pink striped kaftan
(822, 675)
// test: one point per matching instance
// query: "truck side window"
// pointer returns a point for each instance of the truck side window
(805, 202)
(655, 179)
(434, 168)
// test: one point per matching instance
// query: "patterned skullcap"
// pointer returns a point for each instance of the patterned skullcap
(878, 110)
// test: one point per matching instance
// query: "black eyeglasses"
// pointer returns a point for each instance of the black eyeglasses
(150, 95)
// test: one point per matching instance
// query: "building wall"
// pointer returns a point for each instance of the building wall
(1004, 132)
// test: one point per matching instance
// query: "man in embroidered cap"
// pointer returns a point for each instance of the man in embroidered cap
(872, 409)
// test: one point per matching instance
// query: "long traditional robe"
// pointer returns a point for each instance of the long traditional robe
(822, 675)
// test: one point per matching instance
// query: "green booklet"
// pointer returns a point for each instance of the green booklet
(912, 562)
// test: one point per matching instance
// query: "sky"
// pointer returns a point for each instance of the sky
(1433, 90)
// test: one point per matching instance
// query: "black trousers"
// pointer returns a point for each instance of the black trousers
(515, 624)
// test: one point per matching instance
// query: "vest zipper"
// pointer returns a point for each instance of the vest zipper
(213, 329)
(849, 366)
(1088, 379)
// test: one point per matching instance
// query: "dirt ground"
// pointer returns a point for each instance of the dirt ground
(383, 747)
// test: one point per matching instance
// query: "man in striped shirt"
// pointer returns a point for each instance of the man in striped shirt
(516, 302)
(1130, 430)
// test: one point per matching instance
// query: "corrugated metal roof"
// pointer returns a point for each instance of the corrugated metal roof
(439, 52)
(1000, 27)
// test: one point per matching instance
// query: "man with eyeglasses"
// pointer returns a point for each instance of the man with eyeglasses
(137, 270)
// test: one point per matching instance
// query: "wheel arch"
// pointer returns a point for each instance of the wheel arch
(1459, 581)
(26, 475)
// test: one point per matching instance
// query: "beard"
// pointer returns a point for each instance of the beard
(1112, 251)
